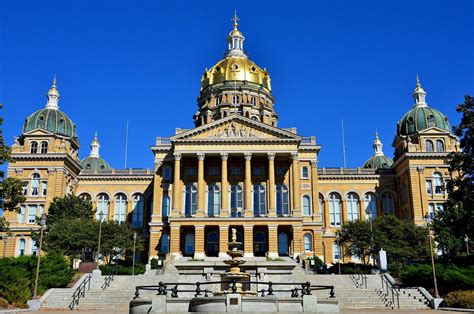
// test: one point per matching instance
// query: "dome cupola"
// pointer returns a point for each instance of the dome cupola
(378, 160)
(94, 161)
(50, 118)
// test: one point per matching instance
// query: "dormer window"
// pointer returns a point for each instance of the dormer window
(429, 146)
(34, 147)
(236, 99)
(439, 146)
(431, 121)
(219, 100)
(44, 147)
(252, 101)
(88, 166)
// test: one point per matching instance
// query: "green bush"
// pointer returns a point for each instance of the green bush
(318, 263)
(154, 263)
(462, 299)
(351, 268)
(121, 269)
(3, 303)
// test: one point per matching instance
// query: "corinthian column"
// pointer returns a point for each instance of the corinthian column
(201, 186)
(176, 186)
(296, 186)
(248, 185)
(271, 188)
(224, 186)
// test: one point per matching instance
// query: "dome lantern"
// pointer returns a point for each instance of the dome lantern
(419, 94)
(235, 40)
(53, 97)
(377, 145)
(95, 146)
(94, 161)
(378, 160)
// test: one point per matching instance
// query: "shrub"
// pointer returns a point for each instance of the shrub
(121, 269)
(154, 263)
(462, 299)
(18, 291)
(3, 303)
(351, 268)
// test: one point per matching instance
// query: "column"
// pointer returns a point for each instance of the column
(199, 242)
(273, 241)
(175, 241)
(296, 186)
(344, 216)
(248, 241)
(326, 215)
(201, 186)
(271, 183)
(297, 240)
(155, 236)
(248, 186)
(317, 216)
(224, 187)
(223, 240)
(177, 210)
(156, 213)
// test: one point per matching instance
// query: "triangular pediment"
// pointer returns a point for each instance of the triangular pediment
(236, 127)
(433, 130)
(38, 132)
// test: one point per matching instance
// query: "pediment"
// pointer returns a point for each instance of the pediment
(236, 128)
(433, 130)
(38, 132)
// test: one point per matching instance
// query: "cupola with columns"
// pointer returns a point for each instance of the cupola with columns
(378, 160)
(94, 161)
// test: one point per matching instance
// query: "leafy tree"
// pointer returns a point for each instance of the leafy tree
(117, 239)
(356, 237)
(457, 220)
(70, 207)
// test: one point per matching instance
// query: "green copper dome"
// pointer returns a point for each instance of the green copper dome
(51, 120)
(94, 163)
(378, 162)
(421, 118)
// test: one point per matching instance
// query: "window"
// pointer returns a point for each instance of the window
(259, 196)
(85, 196)
(21, 215)
(236, 200)
(166, 173)
(41, 210)
(439, 207)
(304, 173)
(282, 200)
(35, 184)
(213, 200)
(235, 171)
(431, 121)
(213, 171)
(34, 248)
(190, 200)
(44, 188)
(352, 207)
(44, 147)
(21, 247)
(165, 205)
(439, 146)
(321, 204)
(388, 205)
(219, 100)
(370, 206)
(431, 210)
(165, 243)
(32, 214)
(306, 205)
(308, 242)
(335, 209)
(252, 101)
(34, 147)
(137, 211)
(429, 146)
(429, 187)
(102, 206)
(336, 249)
(25, 188)
(120, 208)
(438, 183)
(235, 99)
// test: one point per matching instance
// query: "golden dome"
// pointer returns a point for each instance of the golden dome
(236, 69)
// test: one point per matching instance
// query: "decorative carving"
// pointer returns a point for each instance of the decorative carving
(201, 156)
(158, 163)
(16, 142)
(420, 169)
(238, 131)
(248, 156)
(224, 156)
(306, 186)
(294, 156)
(271, 156)
(62, 145)
(177, 156)
(19, 171)
(314, 163)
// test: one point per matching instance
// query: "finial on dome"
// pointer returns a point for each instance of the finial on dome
(235, 19)
(235, 40)
(95, 146)
(53, 96)
(419, 94)
(377, 145)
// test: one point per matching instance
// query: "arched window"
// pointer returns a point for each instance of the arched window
(166, 173)
(219, 99)
(252, 101)
(85, 196)
(137, 211)
(34, 147)
(259, 197)
(44, 147)
(32, 214)
(165, 205)
(388, 205)
(165, 243)
(236, 200)
(120, 208)
(306, 205)
(438, 183)
(235, 99)
(213, 200)
(102, 206)
(439, 146)
(370, 206)
(321, 204)
(429, 146)
(21, 247)
(335, 209)
(304, 173)
(190, 200)
(352, 207)
(35, 184)
(282, 200)
(308, 242)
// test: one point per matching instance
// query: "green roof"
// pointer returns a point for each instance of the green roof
(51, 120)
(94, 163)
(421, 118)
(378, 162)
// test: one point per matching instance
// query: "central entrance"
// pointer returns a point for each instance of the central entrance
(260, 241)
(212, 241)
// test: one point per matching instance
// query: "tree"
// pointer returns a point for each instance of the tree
(356, 236)
(70, 207)
(457, 220)
(117, 239)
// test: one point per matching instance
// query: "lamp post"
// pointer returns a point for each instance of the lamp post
(466, 240)
(134, 247)
(101, 215)
(370, 216)
(42, 224)
(428, 221)
(340, 251)
(323, 229)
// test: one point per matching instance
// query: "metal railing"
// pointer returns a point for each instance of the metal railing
(389, 292)
(360, 280)
(108, 279)
(200, 289)
(80, 291)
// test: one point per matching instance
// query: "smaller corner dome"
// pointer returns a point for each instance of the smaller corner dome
(421, 118)
(51, 120)
(94, 163)
(379, 162)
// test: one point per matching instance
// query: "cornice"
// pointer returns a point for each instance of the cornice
(420, 156)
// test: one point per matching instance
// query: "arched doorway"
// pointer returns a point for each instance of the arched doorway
(283, 244)
(260, 243)
(212, 243)
(189, 244)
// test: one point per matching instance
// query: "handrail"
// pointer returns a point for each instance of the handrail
(80, 292)
(389, 286)
(163, 288)
(360, 280)
(108, 279)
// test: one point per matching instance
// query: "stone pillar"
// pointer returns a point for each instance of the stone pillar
(248, 186)
(223, 240)
(423, 200)
(224, 187)
(317, 216)
(248, 241)
(199, 242)
(273, 241)
(297, 240)
(156, 213)
(271, 183)
(296, 186)
(155, 236)
(327, 218)
(175, 241)
(176, 212)
(344, 216)
(201, 193)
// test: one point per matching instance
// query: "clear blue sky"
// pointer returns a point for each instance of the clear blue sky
(142, 61)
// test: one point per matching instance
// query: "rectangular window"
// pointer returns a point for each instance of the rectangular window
(336, 252)
(439, 207)
(190, 171)
(25, 189)
(44, 188)
(258, 171)
(431, 209)
(235, 171)
(21, 215)
(213, 171)
(32, 214)
(429, 187)
(41, 210)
